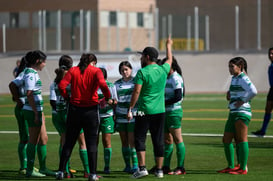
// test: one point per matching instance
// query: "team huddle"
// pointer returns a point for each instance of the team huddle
(84, 103)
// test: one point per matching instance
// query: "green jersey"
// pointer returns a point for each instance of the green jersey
(124, 93)
(30, 80)
(153, 80)
(107, 111)
(174, 82)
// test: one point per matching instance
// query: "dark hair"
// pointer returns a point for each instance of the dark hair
(32, 57)
(85, 60)
(65, 63)
(176, 68)
(124, 63)
(239, 61)
(22, 66)
(104, 72)
(269, 50)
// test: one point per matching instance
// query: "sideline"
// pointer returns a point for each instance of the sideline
(184, 134)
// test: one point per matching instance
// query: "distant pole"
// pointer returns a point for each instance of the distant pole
(164, 27)
(170, 24)
(156, 27)
(196, 28)
(117, 31)
(81, 30)
(59, 31)
(259, 27)
(4, 37)
(207, 33)
(188, 33)
(129, 33)
(237, 28)
(88, 31)
(40, 36)
(44, 29)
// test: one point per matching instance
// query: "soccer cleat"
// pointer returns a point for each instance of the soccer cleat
(93, 177)
(159, 173)
(239, 172)
(226, 170)
(72, 170)
(178, 171)
(106, 170)
(35, 169)
(134, 169)
(166, 169)
(23, 171)
(35, 174)
(258, 133)
(152, 170)
(47, 172)
(237, 167)
(86, 175)
(59, 175)
(127, 169)
(140, 173)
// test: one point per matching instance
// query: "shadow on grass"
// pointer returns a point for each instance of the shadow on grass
(14, 175)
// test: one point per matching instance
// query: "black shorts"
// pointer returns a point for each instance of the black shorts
(270, 94)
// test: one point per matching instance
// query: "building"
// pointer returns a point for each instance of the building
(84, 25)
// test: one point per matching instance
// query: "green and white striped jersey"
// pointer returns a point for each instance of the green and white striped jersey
(241, 89)
(52, 95)
(22, 93)
(61, 103)
(173, 82)
(107, 111)
(30, 80)
(124, 93)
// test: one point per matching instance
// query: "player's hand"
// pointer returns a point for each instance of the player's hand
(169, 41)
(129, 115)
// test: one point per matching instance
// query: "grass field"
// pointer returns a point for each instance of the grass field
(202, 126)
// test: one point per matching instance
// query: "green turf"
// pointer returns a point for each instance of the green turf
(203, 113)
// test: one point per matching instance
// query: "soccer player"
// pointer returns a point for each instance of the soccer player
(149, 91)
(241, 91)
(107, 121)
(83, 111)
(174, 93)
(125, 87)
(33, 112)
(59, 108)
(269, 100)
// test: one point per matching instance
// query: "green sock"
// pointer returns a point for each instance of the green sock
(22, 148)
(134, 157)
(180, 153)
(84, 158)
(126, 155)
(229, 152)
(237, 153)
(168, 151)
(107, 157)
(42, 152)
(31, 153)
(243, 152)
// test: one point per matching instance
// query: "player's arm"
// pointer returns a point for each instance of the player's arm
(169, 54)
(31, 101)
(134, 99)
(15, 94)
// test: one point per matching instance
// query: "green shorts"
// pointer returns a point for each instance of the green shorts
(107, 125)
(232, 118)
(172, 122)
(125, 127)
(30, 117)
(59, 121)
(22, 124)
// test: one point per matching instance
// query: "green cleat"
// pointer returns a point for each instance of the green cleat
(35, 174)
(47, 172)
(23, 171)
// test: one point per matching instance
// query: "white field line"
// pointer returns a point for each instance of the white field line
(184, 134)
